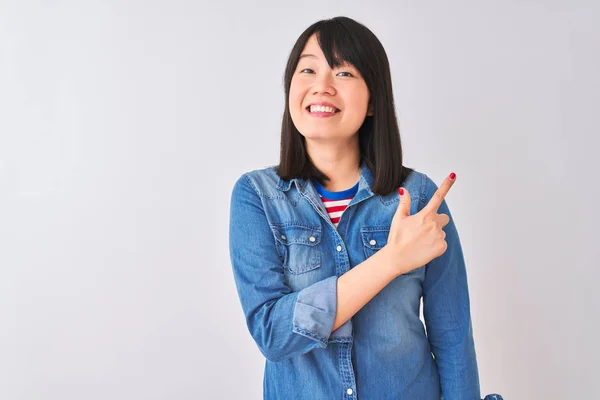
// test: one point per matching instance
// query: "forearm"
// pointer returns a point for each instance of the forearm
(457, 367)
(358, 286)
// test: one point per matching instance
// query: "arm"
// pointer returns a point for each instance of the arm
(285, 323)
(446, 310)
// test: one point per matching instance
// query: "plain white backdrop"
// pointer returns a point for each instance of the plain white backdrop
(124, 124)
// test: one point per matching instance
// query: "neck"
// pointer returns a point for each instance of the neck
(339, 162)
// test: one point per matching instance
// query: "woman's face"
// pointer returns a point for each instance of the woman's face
(344, 88)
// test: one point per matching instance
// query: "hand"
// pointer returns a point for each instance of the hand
(414, 240)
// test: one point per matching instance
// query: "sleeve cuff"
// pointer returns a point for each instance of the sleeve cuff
(315, 310)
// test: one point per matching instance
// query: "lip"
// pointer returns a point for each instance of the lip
(321, 114)
(322, 103)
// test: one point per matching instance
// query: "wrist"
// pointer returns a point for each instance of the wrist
(391, 261)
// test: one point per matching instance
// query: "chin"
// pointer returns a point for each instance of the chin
(326, 138)
(317, 135)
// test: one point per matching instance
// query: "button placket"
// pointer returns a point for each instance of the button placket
(347, 371)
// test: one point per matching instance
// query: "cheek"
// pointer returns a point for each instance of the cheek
(358, 108)
(295, 90)
(293, 106)
(360, 100)
(295, 101)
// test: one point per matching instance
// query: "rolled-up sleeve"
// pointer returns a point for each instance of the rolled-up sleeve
(315, 310)
(446, 310)
(282, 323)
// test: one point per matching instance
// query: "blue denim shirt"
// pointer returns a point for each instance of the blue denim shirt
(287, 256)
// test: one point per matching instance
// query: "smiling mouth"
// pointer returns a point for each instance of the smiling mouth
(335, 112)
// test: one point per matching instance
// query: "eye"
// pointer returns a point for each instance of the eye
(311, 71)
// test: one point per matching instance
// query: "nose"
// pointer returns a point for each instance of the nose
(323, 84)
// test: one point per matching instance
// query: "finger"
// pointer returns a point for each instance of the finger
(439, 195)
(403, 210)
(443, 220)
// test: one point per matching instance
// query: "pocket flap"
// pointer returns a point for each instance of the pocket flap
(375, 238)
(297, 234)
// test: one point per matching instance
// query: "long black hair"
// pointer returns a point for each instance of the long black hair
(343, 39)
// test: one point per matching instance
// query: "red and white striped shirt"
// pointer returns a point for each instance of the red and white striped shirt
(335, 202)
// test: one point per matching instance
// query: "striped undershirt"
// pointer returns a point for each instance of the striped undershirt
(335, 202)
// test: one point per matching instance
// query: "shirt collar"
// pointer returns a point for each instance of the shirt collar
(364, 184)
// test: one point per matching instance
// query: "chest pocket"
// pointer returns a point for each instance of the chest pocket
(298, 247)
(374, 238)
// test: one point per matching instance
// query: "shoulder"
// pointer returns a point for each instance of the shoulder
(263, 181)
(418, 184)
(420, 187)
(263, 177)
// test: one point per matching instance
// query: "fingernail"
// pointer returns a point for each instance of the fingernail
(452, 176)
(401, 191)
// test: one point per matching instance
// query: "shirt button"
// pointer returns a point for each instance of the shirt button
(312, 239)
(373, 242)
(339, 248)
(350, 391)
(283, 237)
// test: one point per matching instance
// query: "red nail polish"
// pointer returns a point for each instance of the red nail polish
(401, 191)
(452, 176)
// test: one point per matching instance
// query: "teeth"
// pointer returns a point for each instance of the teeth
(322, 109)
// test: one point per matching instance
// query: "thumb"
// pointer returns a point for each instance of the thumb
(403, 210)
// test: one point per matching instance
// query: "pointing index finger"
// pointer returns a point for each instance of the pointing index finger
(439, 195)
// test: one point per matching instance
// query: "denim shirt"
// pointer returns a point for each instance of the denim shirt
(287, 256)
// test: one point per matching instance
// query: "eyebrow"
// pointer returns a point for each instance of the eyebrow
(308, 55)
(345, 64)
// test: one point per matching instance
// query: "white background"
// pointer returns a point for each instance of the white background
(124, 124)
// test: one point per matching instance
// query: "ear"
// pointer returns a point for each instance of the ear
(370, 111)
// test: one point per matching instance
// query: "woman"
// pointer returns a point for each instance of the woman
(333, 249)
